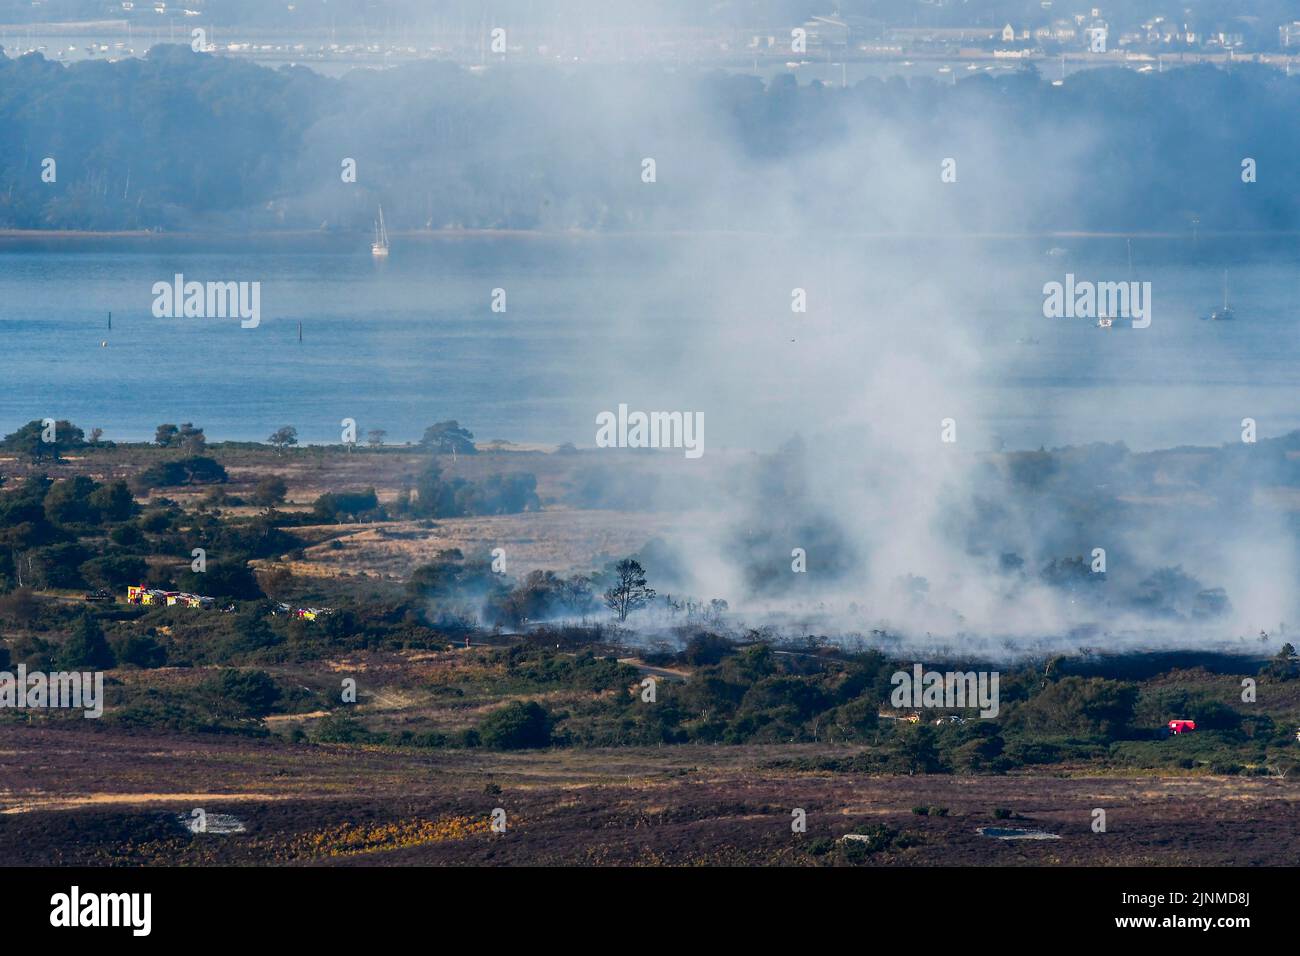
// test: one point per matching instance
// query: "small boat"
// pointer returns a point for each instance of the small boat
(380, 246)
(1225, 314)
(1106, 322)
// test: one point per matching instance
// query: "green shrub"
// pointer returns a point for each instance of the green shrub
(245, 693)
(86, 648)
(517, 726)
(198, 470)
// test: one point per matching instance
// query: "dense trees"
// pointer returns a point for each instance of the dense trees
(186, 436)
(1080, 707)
(68, 502)
(260, 148)
(40, 441)
(114, 571)
(231, 580)
(113, 501)
(75, 533)
(41, 521)
(439, 497)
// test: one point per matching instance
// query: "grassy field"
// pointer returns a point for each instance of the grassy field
(556, 540)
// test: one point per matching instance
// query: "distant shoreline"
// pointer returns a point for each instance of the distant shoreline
(545, 234)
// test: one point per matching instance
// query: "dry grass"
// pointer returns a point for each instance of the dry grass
(557, 540)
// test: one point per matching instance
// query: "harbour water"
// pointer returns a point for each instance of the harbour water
(672, 322)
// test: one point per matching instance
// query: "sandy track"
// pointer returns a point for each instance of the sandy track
(29, 804)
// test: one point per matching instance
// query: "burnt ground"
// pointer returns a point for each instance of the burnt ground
(107, 798)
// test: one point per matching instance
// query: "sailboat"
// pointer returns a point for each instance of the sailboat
(1105, 321)
(1226, 313)
(380, 246)
(1108, 321)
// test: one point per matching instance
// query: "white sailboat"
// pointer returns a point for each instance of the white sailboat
(380, 246)
(1226, 313)
(1108, 321)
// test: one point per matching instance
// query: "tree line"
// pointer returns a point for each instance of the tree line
(180, 140)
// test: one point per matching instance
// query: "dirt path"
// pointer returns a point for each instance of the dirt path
(29, 804)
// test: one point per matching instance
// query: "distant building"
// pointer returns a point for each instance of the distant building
(841, 32)
(1064, 30)
(1158, 30)
(827, 33)
(1008, 34)
(914, 36)
(1288, 34)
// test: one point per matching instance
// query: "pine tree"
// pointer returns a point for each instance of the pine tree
(86, 648)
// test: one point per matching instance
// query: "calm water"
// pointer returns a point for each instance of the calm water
(662, 323)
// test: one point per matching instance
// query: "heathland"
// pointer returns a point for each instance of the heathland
(466, 653)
